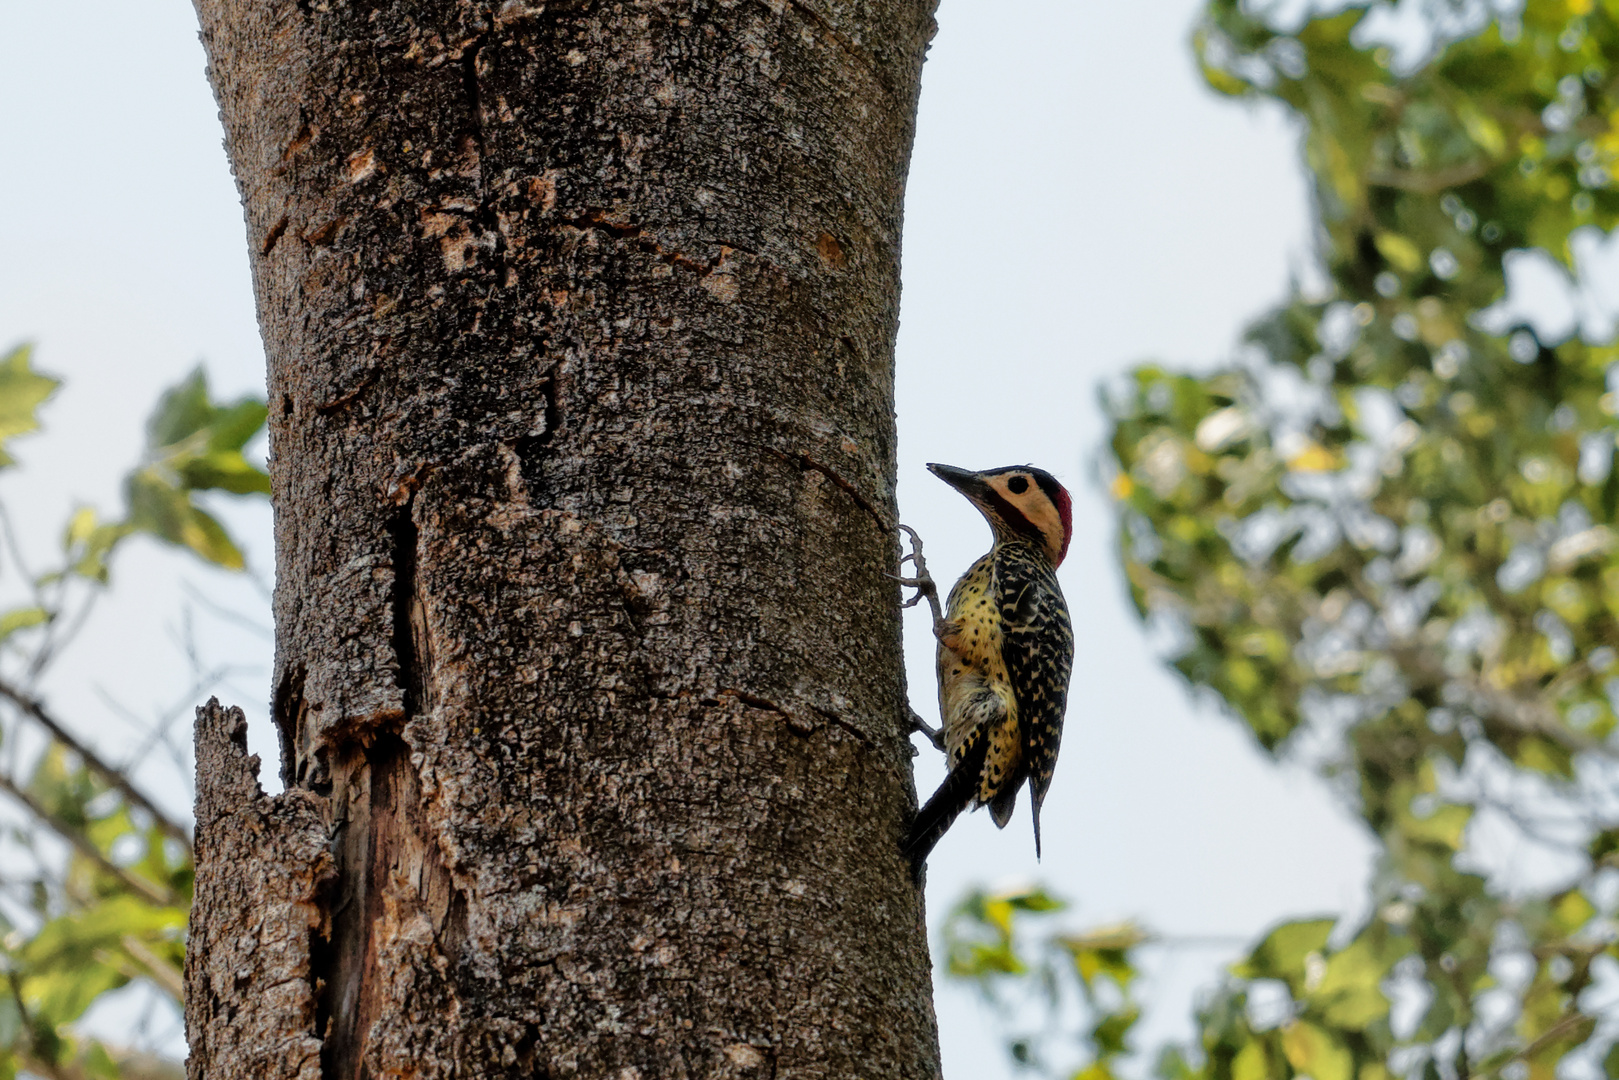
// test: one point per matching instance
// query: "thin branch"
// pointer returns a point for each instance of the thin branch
(13, 545)
(54, 643)
(186, 639)
(157, 894)
(264, 584)
(1567, 1023)
(1197, 941)
(132, 1065)
(26, 1044)
(1529, 715)
(157, 732)
(221, 611)
(1428, 183)
(14, 548)
(163, 974)
(115, 778)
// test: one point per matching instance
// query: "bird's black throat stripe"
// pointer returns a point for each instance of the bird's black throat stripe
(1011, 515)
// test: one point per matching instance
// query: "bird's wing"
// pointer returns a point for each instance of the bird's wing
(1037, 646)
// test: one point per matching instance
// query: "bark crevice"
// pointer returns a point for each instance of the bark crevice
(647, 241)
(531, 449)
(272, 237)
(409, 635)
(804, 461)
(794, 720)
(395, 898)
(332, 404)
(469, 85)
(287, 707)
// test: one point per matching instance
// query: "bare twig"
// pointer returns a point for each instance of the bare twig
(14, 549)
(164, 974)
(1530, 714)
(219, 610)
(1425, 182)
(55, 642)
(25, 1045)
(1568, 1023)
(157, 894)
(157, 731)
(115, 778)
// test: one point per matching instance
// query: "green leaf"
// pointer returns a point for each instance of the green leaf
(1104, 951)
(223, 470)
(79, 528)
(99, 1063)
(1111, 1034)
(10, 1022)
(193, 445)
(22, 391)
(167, 512)
(1350, 995)
(1571, 912)
(102, 925)
(182, 411)
(1316, 1051)
(20, 619)
(1445, 826)
(61, 994)
(1281, 955)
(188, 425)
(1096, 1070)
(1400, 252)
(1252, 1063)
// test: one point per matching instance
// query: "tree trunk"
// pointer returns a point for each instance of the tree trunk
(580, 321)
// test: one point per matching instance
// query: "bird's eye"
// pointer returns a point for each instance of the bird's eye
(1018, 485)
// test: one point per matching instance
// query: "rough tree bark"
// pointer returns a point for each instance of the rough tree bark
(580, 320)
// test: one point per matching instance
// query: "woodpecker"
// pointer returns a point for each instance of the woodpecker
(1006, 649)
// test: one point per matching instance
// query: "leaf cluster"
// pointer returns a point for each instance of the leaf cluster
(1384, 537)
(96, 880)
(1077, 982)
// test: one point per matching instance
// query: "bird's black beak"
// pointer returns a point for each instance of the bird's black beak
(965, 481)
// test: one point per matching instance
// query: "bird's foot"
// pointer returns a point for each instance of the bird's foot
(935, 735)
(922, 581)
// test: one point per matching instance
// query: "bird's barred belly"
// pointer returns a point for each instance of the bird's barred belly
(975, 694)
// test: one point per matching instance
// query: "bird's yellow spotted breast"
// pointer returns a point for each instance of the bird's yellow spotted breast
(975, 694)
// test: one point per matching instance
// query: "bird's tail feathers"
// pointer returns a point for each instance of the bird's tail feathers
(937, 814)
(1002, 805)
(1036, 797)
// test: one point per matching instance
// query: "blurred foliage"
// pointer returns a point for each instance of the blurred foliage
(95, 881)
(192, 445)
(1384, 536)
(1086, 975)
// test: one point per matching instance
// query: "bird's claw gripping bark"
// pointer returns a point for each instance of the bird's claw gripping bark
(935, 735)
(922, 582)
(925, 586)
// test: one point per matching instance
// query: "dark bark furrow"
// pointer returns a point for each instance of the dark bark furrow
(408, 643)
